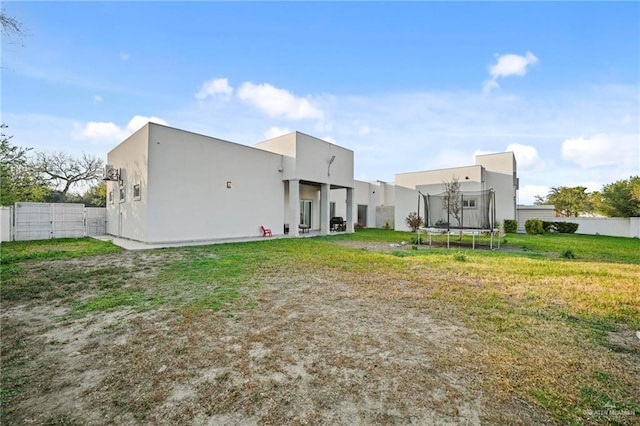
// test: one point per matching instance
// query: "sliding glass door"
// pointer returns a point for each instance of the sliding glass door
(305, 212)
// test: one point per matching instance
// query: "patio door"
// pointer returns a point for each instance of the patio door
(305, 212)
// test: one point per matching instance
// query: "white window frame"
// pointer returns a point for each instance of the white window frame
(470, 203)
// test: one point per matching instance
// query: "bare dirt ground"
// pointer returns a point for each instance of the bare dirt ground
(297, 350)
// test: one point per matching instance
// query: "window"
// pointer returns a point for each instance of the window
(469, 203)
(111, 197)
(122, 193)
(136, 191)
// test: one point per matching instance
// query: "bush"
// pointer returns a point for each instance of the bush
(357, 226)
(566, 227)
(460, 257)
(549, 226)
(561, 227)
(424, 239)
(510, 226)
(533, 226)
(568, 254)
(413, 221)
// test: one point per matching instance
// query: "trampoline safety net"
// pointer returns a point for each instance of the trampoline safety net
(460, 210)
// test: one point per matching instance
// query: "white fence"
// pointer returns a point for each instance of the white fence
(612, 226)
(41, 221)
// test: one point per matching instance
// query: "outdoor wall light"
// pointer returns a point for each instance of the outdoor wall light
(229, 184)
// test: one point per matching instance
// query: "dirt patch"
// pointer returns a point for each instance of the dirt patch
(307, 349)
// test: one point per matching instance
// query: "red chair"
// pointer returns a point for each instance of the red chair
(266, 232)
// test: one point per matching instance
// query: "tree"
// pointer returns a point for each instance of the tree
(452, 203)
(10, 26)
(19, 180)
(64, 171)
(619, 199)
(569, 201)
(96, 196)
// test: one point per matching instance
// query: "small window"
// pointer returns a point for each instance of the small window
(136, 191)
(111, 197)
(469, 203)
(122, 193)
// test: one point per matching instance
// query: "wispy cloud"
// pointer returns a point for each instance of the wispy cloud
(603, 150)
(508, 65)
(214, 87)
(277, 102)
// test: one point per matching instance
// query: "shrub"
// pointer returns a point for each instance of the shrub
(413, 221)
(533, 226)
(357, 226)
(568, 254)
(566, 227)
(423, 239)
(510, 226)
(549, 226)
(460, 257)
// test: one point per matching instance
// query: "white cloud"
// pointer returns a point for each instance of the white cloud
(507, 65)
(330, 140)
(275, 131)
(527, 194)
(526, 156)
(278, 102)
(217, 86)
(109, 132)
(97, 98)
(140, 120)
(99, 132)
(603, 150)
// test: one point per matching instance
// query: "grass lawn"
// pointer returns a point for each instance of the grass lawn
(351, 328)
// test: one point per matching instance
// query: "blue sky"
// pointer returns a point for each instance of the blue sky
(407, 85)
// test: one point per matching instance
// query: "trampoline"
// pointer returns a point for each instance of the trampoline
(460, 213)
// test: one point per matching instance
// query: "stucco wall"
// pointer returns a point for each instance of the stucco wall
(312, 161)
(406, 202)
(505, 193)
(611, 226)
(438, 177)
(188, 197)
(129, 218)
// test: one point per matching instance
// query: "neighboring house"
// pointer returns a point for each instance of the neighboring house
(543, 212)
(171, 185)
(491, 171)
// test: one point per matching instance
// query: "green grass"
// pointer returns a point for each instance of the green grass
(63, 248)
(544, 308)
(587, 247)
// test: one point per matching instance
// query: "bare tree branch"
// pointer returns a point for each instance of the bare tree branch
(64, 170)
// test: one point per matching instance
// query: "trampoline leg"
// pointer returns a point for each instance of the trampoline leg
(473, 241)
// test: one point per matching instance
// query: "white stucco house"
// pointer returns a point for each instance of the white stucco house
(170, 185)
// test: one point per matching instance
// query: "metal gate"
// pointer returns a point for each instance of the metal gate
(95, 220)
(41, 221)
